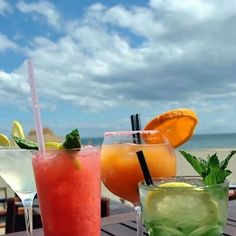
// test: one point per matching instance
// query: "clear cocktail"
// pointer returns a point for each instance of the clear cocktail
(68, 186)
(16, 170)
(183, 206)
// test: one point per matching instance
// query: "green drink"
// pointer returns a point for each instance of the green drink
(184, 206)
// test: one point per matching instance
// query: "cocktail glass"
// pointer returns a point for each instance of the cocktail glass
(184, 206)
(68, 187)
(121, 170)
(16, 170)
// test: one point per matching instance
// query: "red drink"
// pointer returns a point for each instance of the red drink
(68, 187)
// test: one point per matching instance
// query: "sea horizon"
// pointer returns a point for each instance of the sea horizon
(198, 141)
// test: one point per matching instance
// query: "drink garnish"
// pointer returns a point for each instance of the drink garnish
(4, 141)
(176, 125)
(24, 143)
(72, 140)
(17, 129)
(212, 170)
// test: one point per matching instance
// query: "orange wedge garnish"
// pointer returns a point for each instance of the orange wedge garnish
(176, 125)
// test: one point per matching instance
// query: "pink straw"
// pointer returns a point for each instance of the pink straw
(35, 106)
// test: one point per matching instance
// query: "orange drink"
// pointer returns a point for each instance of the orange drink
(68, 187)
(121, 170)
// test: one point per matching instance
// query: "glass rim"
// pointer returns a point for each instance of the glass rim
(142, 185)
(148, 140)
(89, 148)
(17, 149)
(130, 132)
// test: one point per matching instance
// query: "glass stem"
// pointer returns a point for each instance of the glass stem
(139, 220)
(27, 203)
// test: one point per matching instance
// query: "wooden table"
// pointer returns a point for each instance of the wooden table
(123, 224)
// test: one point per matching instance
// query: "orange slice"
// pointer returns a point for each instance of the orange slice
(176, 125)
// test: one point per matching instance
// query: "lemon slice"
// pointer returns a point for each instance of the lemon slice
(4, 141)
(176, 184)
(54, 145)
(17, 129)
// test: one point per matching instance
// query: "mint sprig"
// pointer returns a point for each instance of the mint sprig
(211, 169)
(72, 140)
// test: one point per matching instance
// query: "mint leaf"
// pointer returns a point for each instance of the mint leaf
(212, 170)
(72, 140)
(223, 164)
(25, 144)
(199, 165)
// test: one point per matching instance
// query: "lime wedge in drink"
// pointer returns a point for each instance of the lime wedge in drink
(182, 204)
(209, 230)
(4, 141)
(164, 231)
(17, 129)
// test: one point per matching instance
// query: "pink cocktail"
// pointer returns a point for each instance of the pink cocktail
(68, 187)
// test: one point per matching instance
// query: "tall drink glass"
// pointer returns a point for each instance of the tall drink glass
(16, 170)
(121, 170)
(68, 186)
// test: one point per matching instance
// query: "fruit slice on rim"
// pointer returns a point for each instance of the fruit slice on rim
(17, 129)
(4, 141)
(176, 125)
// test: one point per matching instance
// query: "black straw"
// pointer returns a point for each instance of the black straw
(136, 125)
(144, 167)
(133, 125)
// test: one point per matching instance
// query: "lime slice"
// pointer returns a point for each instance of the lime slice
(53, 145)
(4, 141)
(181, 204)
(17, 129)
(165, 231)
(208, 230)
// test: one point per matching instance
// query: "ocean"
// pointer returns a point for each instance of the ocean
(198, 141)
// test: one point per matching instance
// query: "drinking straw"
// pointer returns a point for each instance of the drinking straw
(35, 106)
(136, 125)
(133, 126)
(144, 167)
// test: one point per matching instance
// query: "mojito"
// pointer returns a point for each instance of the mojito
(184, 206)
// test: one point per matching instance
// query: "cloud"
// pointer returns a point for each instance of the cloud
(44, 9)
(6, 43)
(5, 7)
(156, 57)
(13, 90)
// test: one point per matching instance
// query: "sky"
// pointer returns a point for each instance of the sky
(98, 62)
